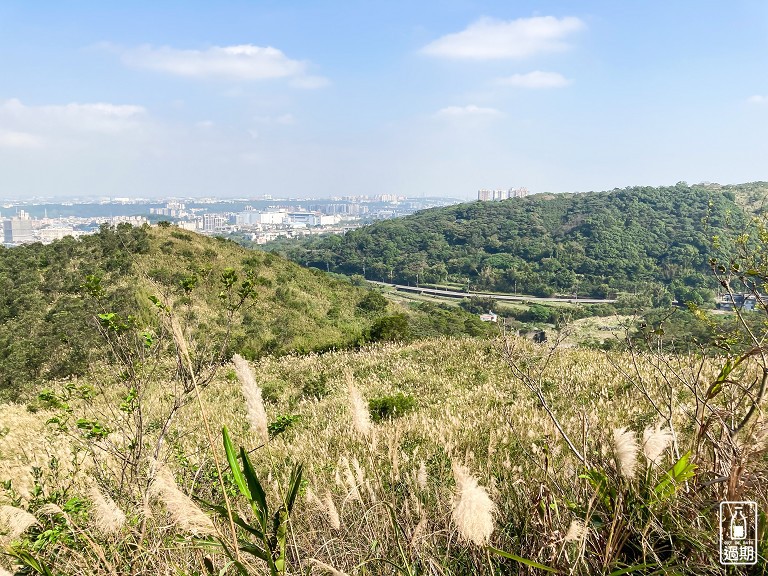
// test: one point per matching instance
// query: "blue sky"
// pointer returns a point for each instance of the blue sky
(319, 98)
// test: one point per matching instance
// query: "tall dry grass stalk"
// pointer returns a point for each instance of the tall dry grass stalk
(331, 511)
(353, 490)
(626, 448)
(180, 341)
(473, 508)
(254, 403)
(108, 517)
(361, 418)
(421, 476)
(14, 521)
(655, 442)
(184, 512)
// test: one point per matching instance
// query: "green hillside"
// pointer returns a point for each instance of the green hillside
(591, 243)
(51, 298)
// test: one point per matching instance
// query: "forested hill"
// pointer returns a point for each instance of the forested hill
(638, 238)
(51, 298)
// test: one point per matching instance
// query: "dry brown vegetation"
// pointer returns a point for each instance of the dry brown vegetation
(482, 458)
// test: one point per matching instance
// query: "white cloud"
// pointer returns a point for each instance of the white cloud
(491, 39)
(463, 111)
(284, 119)
(11, 139)
(758, 99)
(75, 117)
(241, 62)
(536, 79)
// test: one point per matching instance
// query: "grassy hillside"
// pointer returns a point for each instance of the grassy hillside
(635, 239)
(468, 428)
(55, 302)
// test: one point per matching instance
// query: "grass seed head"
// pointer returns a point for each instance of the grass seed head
(15, 521)
(473, 508)
(655, 442)
(330, 509)
(626, 448)
(107, 516)
(254, 403)
(184, 512)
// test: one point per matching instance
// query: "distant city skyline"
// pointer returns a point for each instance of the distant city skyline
(325, 98)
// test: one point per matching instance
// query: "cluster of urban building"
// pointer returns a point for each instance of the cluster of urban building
(22, 229)
(485, 195)
(261, 218)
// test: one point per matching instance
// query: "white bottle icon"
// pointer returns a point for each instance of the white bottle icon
(738, 524)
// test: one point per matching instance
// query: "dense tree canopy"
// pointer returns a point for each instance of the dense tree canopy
(591, 243)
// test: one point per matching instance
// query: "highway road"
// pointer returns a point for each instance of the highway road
(503, 297)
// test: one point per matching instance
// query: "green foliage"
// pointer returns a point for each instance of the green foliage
(593, 244)
(282, 423)
(267, 533)
(316, 388)
(389, 407)
(390, 329)
(52, 296)
(373, 301)
(479, 305)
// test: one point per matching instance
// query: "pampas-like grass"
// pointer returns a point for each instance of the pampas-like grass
(361, 419)
(331, 511)
(184, 512)
(421, 476)
(576, 531)
(655, 442)
(626, 448)
(473, 509)
(107, 516)
(254, 403)
(15, 521)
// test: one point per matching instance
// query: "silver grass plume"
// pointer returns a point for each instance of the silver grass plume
(107, 516)
(473, 509)
(421, 476)
(361, 418)
(626, 448)
(330, 509)
(353, 492)
(184, 512)
(15, 520)
(655, 442)
(576, 531)
(257, 414)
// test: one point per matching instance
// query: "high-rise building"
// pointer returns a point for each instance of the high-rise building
(17, 231)
(485, 195)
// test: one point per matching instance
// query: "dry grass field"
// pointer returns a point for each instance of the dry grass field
(422, 458)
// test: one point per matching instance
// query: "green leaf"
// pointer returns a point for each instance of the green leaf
(224, 514)
(717, 386)
(293, 486)
(682, 471)
(599, 481)
(522, 560)
(255, 550)
(234, 465)
(258, 497)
